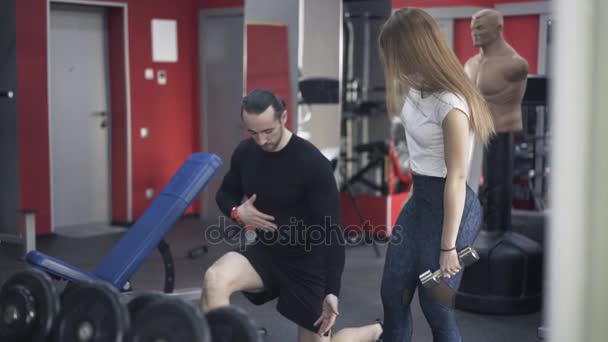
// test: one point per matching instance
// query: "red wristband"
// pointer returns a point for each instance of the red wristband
(235, 215)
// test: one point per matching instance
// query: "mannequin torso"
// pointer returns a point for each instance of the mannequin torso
(498, 71)
(501, 79)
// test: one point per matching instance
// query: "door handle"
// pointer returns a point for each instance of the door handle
(7, 93)
(101, 113)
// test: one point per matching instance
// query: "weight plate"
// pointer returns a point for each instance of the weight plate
(231, 323)
(91, 312)
(29, 304)
(141, 302)
(170, 320)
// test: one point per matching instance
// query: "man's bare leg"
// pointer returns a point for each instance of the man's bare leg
(368, 333)
(305, 335)
(229, 274)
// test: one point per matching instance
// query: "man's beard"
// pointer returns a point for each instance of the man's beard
(271, 147)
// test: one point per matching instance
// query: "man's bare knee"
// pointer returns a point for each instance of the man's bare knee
(216, 281)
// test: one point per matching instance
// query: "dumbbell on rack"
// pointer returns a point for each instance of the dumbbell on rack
(91, 312)
(157, 317)
(29, 304)
(32, 310)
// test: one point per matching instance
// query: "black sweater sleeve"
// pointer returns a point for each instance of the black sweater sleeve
(230, 193)
(325, 207)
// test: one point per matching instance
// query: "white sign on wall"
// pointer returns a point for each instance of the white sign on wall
(164, 40)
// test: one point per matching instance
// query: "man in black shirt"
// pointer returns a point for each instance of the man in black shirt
(292, 204)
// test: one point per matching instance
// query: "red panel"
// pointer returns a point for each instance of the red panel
(522, 33)
(218, 3)
(374, 212)
(268, 61)
(498, 2)
(166, 110)
(439, 3)
(463, 43)
(397, 202)
(34, 163)
(119, 114)
(447, 3)
(373, 209)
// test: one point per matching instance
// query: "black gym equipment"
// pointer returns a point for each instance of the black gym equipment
(28, 307)
(140, 303)
(165, 252)
(230, 323)
(508, 277)
(319, 90)
(91, 312)
(170, 320)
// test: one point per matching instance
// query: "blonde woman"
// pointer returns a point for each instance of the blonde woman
(442, 112)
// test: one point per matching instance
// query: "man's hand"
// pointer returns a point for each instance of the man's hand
(328, 315)
(250, 216)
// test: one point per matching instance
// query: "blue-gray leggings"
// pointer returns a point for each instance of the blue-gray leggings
(414, 248)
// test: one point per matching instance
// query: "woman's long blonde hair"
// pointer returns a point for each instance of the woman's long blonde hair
(416, 54)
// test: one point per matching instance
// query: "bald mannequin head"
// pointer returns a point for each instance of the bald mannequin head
(486, 27)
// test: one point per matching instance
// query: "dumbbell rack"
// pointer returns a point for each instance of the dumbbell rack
(33, 310)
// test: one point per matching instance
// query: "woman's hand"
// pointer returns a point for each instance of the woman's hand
(449, 263)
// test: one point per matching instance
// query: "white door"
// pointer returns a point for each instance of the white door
(221, 54)
(79, 115)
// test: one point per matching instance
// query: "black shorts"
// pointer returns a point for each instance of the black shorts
(297, 281)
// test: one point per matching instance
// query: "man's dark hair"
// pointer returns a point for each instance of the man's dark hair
(258, 100)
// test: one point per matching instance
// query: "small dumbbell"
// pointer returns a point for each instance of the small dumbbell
(467, 256)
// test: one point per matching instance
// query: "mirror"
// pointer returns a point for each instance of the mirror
(293, 47)
(271, 49)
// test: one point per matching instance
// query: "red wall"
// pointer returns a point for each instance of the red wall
(519, 31)
(170, 112)
(447, 3)
(218, 3)
(32, 105)
(268, 61)
(167, 111)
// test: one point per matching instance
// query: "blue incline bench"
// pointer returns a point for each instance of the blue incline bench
(129, 253)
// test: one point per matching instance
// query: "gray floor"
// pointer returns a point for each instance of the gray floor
(359, 302)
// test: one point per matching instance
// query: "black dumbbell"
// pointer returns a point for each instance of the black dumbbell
(169, 319)
(91, 312)
(231, 323)
(141, 302)
(29, 304)
(157, 317)
(467, 256)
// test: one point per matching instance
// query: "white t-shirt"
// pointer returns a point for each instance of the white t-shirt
(424, 135)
